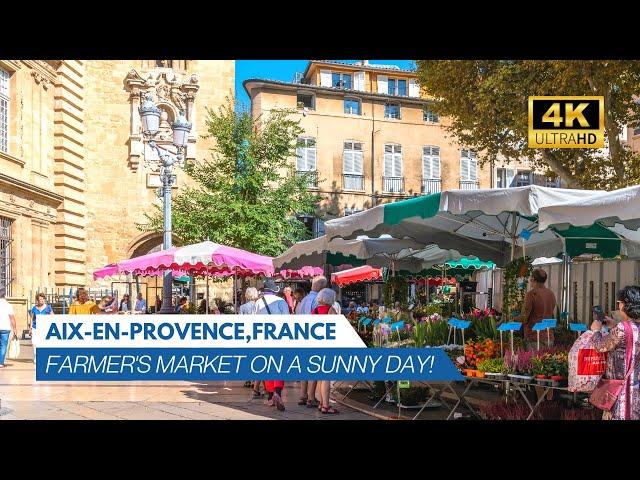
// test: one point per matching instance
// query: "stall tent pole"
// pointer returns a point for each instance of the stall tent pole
(207, 278)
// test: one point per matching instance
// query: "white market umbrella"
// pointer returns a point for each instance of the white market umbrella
(490, 224)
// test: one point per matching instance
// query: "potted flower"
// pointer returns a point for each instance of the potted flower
(540, 369)
(560, 369)
(520, 363)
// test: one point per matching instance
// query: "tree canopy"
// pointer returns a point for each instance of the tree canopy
(487, 104)
(246, 195)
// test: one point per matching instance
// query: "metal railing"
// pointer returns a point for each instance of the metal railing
(469, 185)
(393, 184)
(312, 177)
(431, 185)
(352, 182)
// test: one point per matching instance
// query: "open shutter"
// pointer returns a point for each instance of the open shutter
(325, 78)
(510, 175)
(435, 162)
(383, 84)
(358, 81)
(414, 88)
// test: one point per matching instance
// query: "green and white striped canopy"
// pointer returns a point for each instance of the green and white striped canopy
(486, 224)
(385, 251)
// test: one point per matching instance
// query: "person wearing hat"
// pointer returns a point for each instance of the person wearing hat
(271, 304)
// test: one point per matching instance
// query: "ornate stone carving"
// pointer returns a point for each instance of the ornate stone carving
(172, 94)
(40, 79)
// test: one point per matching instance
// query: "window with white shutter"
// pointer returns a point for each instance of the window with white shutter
(414, 88)
(468, 166)
(325, 78)
(392, 160)
(382, 84)
(352, 158)
(431, 162)
(358, 81)
(4, 111)
(306, 152)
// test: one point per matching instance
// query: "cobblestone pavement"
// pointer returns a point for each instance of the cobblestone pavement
(22, 398)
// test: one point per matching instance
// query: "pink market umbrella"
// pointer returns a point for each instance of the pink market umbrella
(107, 271)
(204, 258)
(304, 272)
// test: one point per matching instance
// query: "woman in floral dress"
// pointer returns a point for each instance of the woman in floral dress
(614, 343)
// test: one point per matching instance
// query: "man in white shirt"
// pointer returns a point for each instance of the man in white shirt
(307, 305)
(270, 303)
(7, 325)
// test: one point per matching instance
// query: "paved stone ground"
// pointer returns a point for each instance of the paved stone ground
(22, 398)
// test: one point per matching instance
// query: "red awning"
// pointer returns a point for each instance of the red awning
(365, 273)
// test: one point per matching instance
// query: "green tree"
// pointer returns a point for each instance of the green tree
(248, 193)
(487, 102)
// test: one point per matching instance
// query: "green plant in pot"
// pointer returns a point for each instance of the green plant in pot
(493, 367)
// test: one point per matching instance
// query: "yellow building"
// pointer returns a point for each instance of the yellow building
(73, 178)
(370, 137)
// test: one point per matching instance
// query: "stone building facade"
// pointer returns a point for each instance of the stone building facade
(371, 137)
(73, 179)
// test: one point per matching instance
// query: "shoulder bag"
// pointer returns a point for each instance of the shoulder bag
(608, 390)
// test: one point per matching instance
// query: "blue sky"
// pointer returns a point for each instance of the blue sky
(284, 70)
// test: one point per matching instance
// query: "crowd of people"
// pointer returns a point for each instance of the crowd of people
(273, 300)
(609, 336)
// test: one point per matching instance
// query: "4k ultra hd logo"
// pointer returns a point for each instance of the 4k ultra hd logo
(566, 122)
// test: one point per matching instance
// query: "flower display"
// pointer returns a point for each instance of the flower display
(475, 352)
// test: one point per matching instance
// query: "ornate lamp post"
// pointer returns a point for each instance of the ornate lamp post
(150, 116)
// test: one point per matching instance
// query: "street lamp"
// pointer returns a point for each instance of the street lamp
(150, 116)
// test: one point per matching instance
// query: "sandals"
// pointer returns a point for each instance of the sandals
(257, 394)
(303, 402)
(329, 410)
(312, 403)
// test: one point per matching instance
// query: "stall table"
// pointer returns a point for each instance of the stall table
(507, 383)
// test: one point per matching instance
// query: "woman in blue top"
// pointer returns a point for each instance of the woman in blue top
(40, 308)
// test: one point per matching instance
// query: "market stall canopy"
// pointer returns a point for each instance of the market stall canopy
(451, 269)
(384, 251)
(366, 273)
(620, 207)
(470, 263)
(205, 258)
(485, 224)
